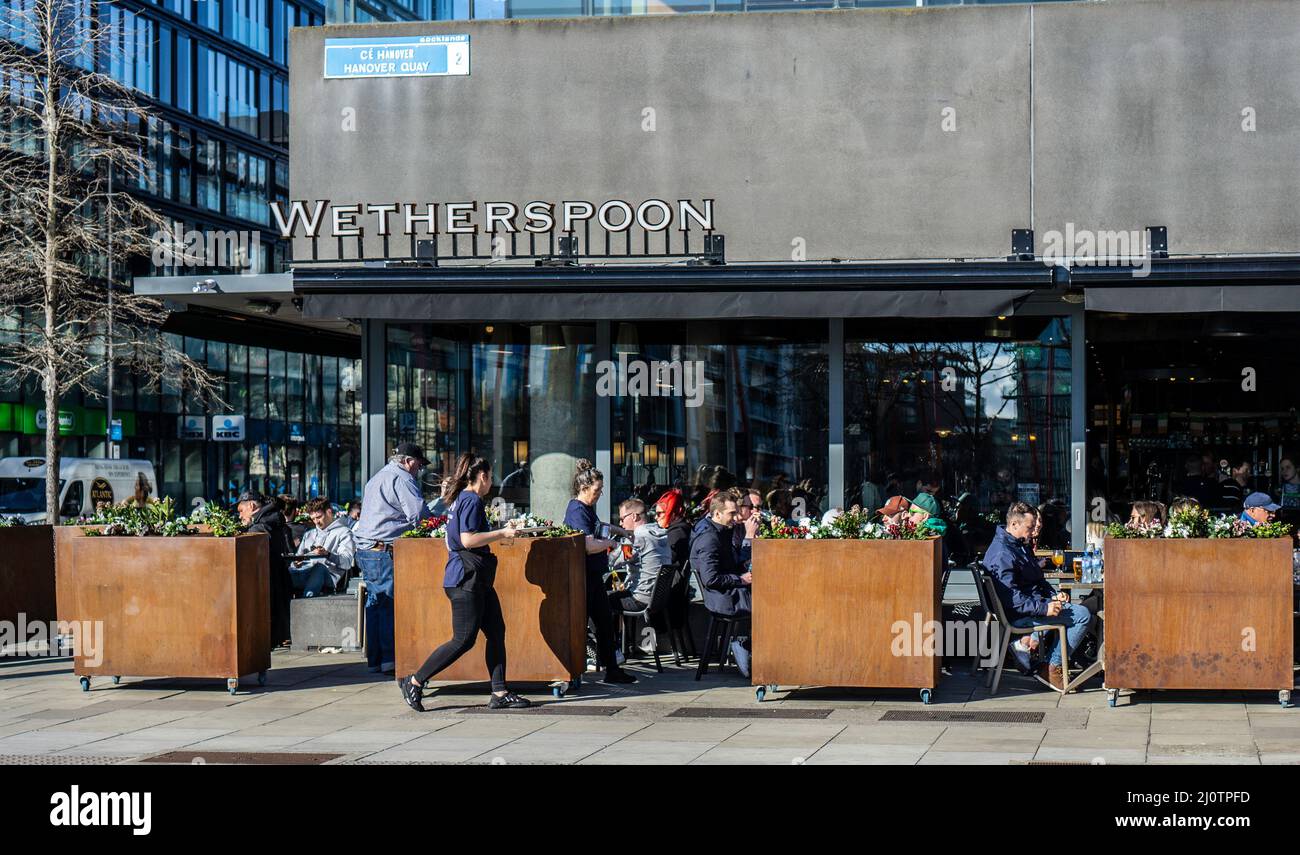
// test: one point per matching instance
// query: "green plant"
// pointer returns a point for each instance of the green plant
(12, 522)
(220, 521)
(150, 519)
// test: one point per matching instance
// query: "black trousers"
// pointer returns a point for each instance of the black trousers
(602, 617)
(472, 611)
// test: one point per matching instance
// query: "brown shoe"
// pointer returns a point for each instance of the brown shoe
(1052, 675)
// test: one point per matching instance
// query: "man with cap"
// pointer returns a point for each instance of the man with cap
(1259, 508)
(261, 514)
(894, 511)
(391, 505)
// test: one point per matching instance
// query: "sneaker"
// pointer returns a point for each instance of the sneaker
(412, 693)
(1021, 651)
(508, 701)
(741, 657)
(618, 675)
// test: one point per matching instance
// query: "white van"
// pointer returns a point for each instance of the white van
(84, 482)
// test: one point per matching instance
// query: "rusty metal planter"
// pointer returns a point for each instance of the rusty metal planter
(1199, 614)
(825, 610)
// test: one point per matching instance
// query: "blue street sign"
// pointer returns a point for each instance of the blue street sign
(397, 56)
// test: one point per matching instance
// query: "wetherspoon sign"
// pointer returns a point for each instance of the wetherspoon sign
(397, 56)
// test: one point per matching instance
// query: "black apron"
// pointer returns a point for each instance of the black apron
(480, 570)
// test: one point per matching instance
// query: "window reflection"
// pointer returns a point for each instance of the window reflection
(982, 409)
(521, 395)
(750, 410)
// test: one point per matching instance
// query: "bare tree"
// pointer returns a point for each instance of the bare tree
(68, 130)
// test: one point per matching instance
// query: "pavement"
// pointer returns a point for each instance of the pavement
(325, 708)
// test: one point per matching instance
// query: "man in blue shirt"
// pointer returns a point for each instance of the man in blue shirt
(391, 505)
(1026, 596)
(1259, 508)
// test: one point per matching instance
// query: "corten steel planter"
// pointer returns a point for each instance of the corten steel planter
(190, 606)
(1199, 614)
(542, 587)
(27, 574)
(824, 613)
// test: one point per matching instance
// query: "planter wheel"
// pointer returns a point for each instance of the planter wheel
(925, 696)
(232, 685)
(1284, 698)
(1112, 695)
(117, 680)
(85, 683)
(558, 689)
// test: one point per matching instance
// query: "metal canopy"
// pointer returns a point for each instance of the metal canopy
(671, 292)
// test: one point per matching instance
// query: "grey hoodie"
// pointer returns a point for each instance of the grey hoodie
(650, 552)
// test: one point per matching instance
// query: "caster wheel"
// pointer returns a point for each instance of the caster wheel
(232, 685)
(1284, 698)
(116, 680)
(557, 691)
(261, 678)
(1112, 697)
(925, 696)
(760, 693)
(85, 684)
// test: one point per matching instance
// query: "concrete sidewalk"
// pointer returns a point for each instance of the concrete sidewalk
(327, 704)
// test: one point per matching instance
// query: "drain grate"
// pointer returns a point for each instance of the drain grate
(748, 712)
(59, 759)
(242, 758)
(991, 717)
(1056, 763)
(554, 708)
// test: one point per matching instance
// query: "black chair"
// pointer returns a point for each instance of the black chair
(722, 629)
(658, 607)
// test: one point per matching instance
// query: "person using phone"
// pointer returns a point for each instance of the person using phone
(467, 580)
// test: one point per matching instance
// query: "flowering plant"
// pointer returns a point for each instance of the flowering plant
(429, 527)
(1190, 522)
(1132, 529)
(775, 528)
(847, 526)
(152, 519)
(11, 522)
(558, 530)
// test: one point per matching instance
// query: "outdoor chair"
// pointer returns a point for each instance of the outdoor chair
(658, 607)
(722, 629)
(978, 609)
(1007, 632)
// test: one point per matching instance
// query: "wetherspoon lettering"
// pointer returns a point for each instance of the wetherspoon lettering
(320, 218)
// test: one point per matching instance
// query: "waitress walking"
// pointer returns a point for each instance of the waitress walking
(468, 577)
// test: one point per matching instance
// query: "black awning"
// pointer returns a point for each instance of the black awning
(1185, 299)
(920, 290)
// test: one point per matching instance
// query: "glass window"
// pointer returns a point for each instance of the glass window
(275, 406)
(257, 382)
(700, 405)
(329, 390)
(979, 410)
(236, 378)
(521, 395)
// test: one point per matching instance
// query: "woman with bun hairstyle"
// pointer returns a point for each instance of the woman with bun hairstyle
(467, 580)
(588, 484)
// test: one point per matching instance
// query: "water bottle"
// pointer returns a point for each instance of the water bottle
(1090, 565)
(1101, 563)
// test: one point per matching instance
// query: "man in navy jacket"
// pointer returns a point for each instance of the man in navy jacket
(714, 557)
(1026, 596)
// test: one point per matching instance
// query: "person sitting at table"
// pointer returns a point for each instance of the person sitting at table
(327, 549)
(650, 552)
(1259, 508)
(1147, 514)
(744, 532)
(1025, 594)
(726, 582)
(894, 511)
(927, 516)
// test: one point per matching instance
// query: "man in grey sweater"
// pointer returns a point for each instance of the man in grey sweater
(650, 553)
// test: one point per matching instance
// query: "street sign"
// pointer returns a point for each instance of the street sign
(397, 56)
(228, 428)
